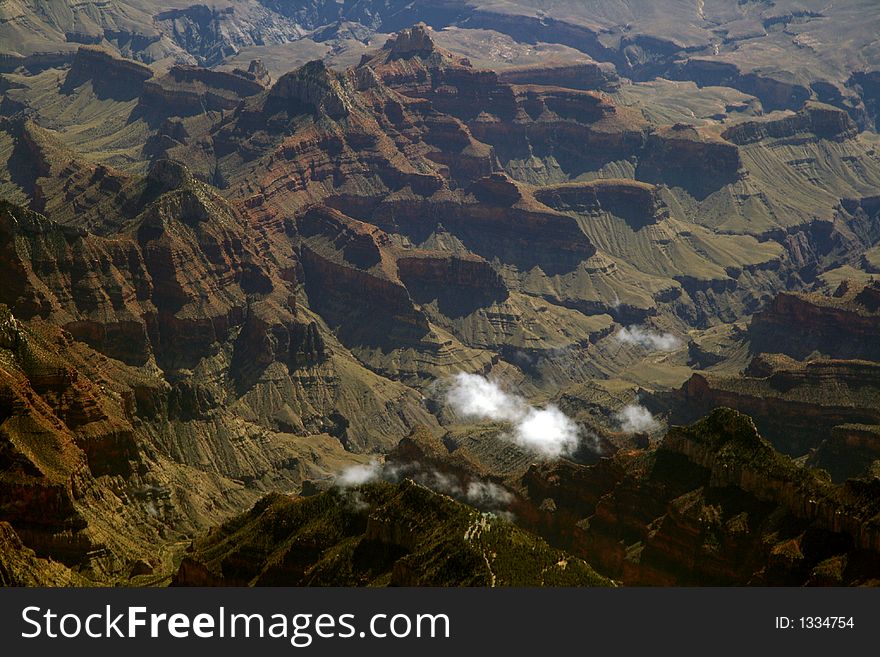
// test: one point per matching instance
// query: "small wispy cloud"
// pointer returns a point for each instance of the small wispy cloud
(357, 475)
(635, 418)
(648, 339)
(485, 495)
(546, 431)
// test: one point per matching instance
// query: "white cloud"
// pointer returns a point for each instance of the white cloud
(546, 431)
(648, 339)
(484, 495)
(635, 418)
(485, 492)
(475, 396)
(357, 475)
(439, 481)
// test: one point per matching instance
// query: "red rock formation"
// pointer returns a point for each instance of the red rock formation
(805, 406)
(315, 88)
(256, 71)
(590, 75)
(795, 405)
(495, 218)
(414, 65)
(635, 201)
(186, 90)
(186, 250)
(19, 566)
(350, 272)
(689, 157)
(57, 431)
(774, 94)
(117, 77)
(815, 119)
(713, 504)
(846, 325)
(461, 282)
(572, 125)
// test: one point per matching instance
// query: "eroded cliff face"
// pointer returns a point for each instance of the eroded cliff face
(709, 504)
(690, 158)
(588, 76)
(414, 312)
(214, 383)
(436, 105)
(187, 286)
(817, 396)
(173, 281)
(567, 131)
(187, 90)
(823, 121)
(638, 202)
(19, 566)
(796, 405)
(111, 76)
(843, 325)
(712, 504)
(315, 88)
(459, 284)
(64, 440)
(773, 93)
(414, 140)
(495, 218)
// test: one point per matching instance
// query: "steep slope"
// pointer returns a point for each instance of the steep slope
(844, 324)
(796, 405)
(20, 567)
(398, 97)
(60, 433)
(823, 405)
(184, 276)
(378, 535)
(410, 141)
(712, 504)
(216, 376)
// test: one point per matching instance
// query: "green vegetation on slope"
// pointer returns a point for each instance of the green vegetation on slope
(377, 535)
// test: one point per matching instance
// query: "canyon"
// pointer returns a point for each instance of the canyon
(246, 250)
